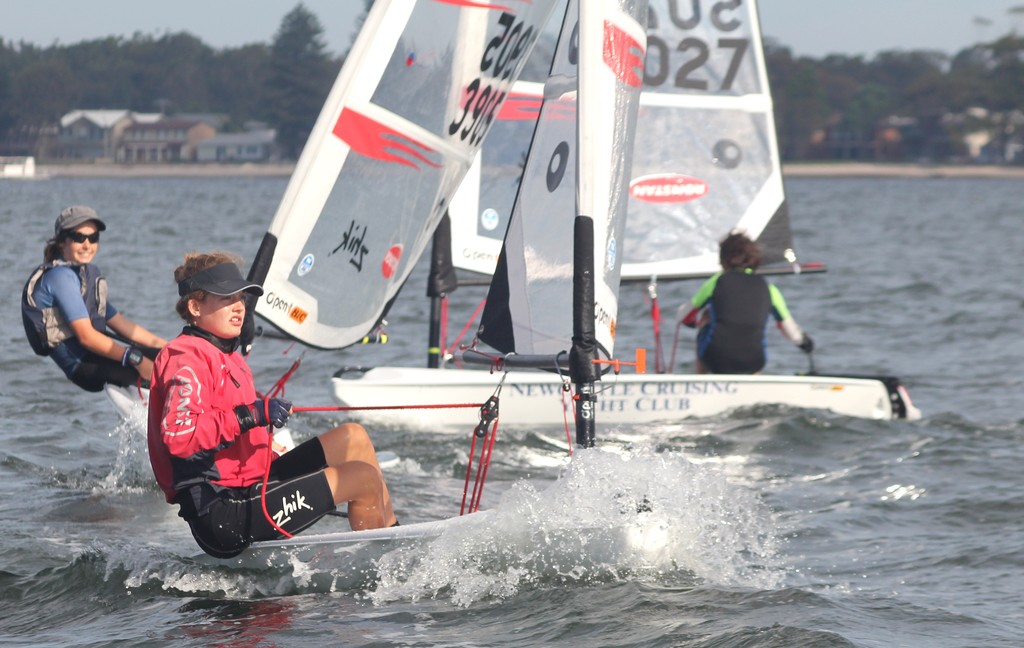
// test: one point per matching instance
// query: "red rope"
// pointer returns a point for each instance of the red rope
(486, 451)
(342, 408)
(266, 471)
(278, 387)
(465, 328)
(675, 343)
(656, 322)
(469, 471)
(486, 429)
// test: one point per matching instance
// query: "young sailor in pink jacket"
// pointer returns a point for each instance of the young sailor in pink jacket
(209, 434)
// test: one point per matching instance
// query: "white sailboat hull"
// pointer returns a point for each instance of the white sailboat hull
(536, 398)
(351, 558)
(354, 551)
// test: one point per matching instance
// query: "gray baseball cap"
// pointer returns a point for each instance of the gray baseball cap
(73, 216)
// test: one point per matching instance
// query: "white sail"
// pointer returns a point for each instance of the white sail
(705, 158)
(529, 306)
(397, 133)
(607, 121)
(705, 153)
(481, 209)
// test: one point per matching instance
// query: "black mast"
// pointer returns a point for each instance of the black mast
(441, 281)
(582, 369)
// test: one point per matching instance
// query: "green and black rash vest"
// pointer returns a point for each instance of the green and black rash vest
(736, 306)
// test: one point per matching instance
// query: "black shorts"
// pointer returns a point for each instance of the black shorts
(94, 371)
(721, 355)
(298, 495)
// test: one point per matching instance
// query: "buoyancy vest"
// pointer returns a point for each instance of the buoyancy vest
(46, 327)
(734, 339)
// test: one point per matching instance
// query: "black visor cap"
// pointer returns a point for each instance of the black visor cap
(223, 279)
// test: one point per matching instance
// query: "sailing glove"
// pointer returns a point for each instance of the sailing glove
(807, 344)
(260, 414)
(132, 357)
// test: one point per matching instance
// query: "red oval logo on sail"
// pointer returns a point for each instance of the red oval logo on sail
(667, 187)
(391, 259)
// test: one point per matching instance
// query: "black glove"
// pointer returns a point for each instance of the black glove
(807, 344)
(275, 411)
(132, 357)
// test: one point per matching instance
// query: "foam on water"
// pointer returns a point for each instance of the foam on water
(646, 514)
(609, 516)
(131, 471)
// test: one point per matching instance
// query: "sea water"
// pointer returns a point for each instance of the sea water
(763, 527)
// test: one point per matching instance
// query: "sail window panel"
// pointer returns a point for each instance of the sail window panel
(503, 160)
(726, 159)
(357, 234)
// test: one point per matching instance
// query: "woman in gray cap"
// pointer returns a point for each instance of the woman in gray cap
(66, 313)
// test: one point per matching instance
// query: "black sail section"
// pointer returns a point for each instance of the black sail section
(777, 238)
(496, 320)
(442, 279)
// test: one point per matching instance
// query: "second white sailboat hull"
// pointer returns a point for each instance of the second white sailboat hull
(536, 398)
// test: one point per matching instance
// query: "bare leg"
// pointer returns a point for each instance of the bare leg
(359, 484)
(355, 476)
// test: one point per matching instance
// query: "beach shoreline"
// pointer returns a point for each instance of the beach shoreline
(897, 170)
(284, 169)
(170, 170)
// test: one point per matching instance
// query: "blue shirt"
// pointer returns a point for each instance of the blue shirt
(62, 287)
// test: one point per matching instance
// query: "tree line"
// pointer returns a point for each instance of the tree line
(282, 84)
(846, 107)
(897, 105)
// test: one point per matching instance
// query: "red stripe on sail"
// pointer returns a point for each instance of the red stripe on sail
(481, 5)
(623, 55)
(520, 107)
(375, 140)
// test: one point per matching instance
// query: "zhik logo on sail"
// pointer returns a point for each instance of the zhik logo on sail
(375, 140)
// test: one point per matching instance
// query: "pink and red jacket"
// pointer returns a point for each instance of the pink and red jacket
(194, 433)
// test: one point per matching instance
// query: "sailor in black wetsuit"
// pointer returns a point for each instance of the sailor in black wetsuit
(732, 309)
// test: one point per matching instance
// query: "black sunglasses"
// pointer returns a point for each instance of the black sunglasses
(78, 237)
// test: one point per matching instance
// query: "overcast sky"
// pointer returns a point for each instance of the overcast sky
(808, 27)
